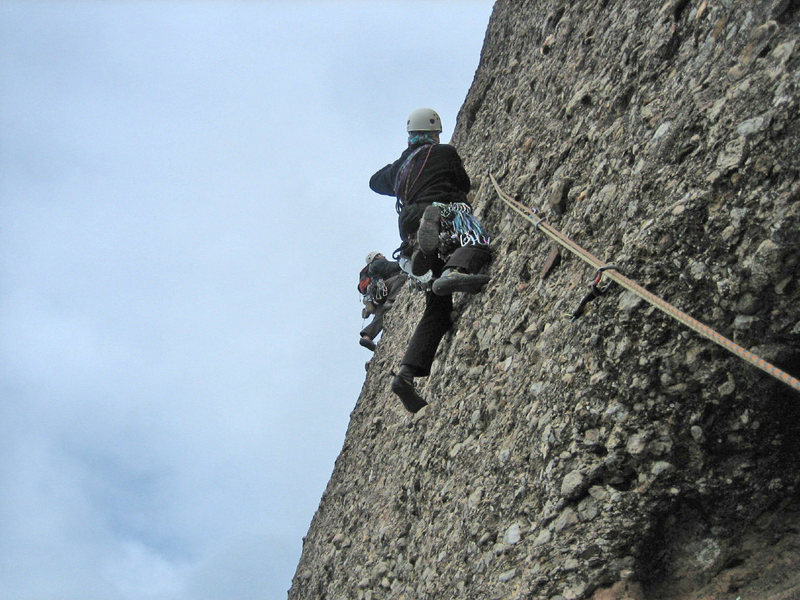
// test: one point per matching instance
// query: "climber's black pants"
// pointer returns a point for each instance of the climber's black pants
(431, 328)
(435, 320)
(470, 259)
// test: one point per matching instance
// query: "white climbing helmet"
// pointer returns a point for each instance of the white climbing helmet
(424, 119)
(372, 256)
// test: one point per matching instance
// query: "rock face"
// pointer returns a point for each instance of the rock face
(620, 456)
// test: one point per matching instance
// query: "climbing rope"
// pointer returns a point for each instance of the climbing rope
(613, 273)
(401, 187)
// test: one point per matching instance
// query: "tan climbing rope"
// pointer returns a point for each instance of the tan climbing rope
(664, 306)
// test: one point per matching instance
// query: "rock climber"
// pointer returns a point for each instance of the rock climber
(379, 283)
(439, 236)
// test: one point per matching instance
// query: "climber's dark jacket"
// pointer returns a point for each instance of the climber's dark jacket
(438, 176)
(381, 268)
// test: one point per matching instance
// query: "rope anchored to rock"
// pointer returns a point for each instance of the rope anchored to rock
(613, 273)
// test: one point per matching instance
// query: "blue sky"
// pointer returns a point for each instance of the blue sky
(183, 213)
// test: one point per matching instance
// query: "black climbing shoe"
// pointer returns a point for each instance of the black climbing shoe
(419, 263)
(456, 281)
(403, 386)
(367, 343)
(428, 232)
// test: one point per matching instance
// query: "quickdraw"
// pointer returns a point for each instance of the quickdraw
(379, 291)
(595, 291)
(459, 227)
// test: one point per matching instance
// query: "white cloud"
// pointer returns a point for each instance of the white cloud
(139, 573)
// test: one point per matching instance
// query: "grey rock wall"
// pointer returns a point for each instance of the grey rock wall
(621, 455)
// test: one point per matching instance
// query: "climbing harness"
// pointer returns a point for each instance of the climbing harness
(457, 227)
(613, 273)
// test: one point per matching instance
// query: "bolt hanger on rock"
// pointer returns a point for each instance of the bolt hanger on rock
(595, 291)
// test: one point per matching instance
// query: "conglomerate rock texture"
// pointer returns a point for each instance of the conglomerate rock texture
(619, 456)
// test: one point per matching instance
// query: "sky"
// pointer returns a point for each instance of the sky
(184, 210)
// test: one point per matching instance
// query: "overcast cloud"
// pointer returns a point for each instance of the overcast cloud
(183, 213)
